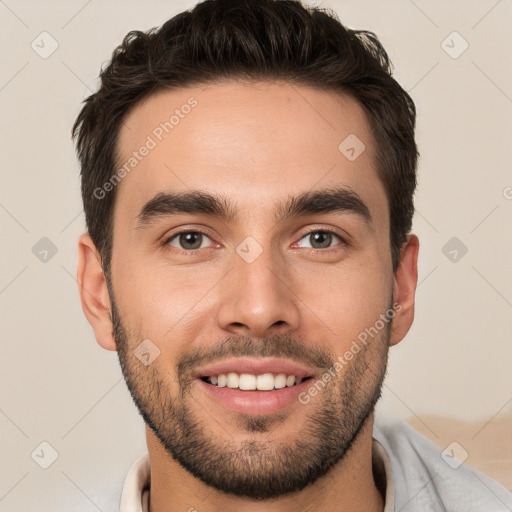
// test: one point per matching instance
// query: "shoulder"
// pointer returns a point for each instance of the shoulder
(428, 478)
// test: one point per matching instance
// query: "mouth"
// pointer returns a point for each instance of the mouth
(252, 382)
(254, 386)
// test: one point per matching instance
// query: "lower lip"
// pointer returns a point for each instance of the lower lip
(256, 402)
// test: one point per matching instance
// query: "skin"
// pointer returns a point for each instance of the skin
(256, 144)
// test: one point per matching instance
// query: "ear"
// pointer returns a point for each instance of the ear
(406, 278)
(92, 286)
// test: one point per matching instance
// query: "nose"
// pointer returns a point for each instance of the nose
(258, 298)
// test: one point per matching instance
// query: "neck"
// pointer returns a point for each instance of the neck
(349, 486)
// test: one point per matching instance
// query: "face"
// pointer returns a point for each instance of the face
(239, 278)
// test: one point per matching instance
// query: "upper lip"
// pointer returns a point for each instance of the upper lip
(255, 366)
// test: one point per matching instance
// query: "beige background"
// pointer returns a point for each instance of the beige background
(59, 386)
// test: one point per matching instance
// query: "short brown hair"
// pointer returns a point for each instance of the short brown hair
(249, 39)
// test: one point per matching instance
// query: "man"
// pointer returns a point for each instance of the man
(275, 142)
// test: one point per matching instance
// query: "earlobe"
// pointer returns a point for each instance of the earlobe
(405, 281)
(92, 286)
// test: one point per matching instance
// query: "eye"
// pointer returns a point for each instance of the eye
(322, 239)
(193, 240)
(187, 240)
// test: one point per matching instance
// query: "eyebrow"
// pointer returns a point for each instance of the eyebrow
(339, 200)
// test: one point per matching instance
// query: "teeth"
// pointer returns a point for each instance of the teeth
(221, 381)
(232, 380)
(249, 382)
(265, 382)
(280, 381)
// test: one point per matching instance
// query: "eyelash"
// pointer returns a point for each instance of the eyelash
(193, 251)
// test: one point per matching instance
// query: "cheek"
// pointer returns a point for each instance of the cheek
(161, 303)
(346, 301)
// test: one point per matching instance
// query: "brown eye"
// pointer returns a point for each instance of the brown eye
(187, 240)
(321, 239)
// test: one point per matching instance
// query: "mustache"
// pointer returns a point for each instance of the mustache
(242, 346)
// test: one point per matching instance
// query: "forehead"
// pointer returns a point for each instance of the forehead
(253, 142)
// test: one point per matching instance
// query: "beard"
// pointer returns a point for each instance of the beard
(255, 469)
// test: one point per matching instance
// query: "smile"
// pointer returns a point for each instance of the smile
(254, 386)
(251, 382)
